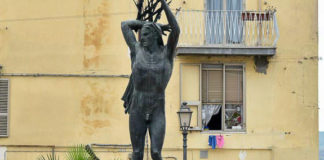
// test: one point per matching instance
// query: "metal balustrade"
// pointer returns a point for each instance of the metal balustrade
(228, 28)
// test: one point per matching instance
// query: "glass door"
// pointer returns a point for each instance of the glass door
(224, 23)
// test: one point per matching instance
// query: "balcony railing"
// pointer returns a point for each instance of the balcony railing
(233, 29)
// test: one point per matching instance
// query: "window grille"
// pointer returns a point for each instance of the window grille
(4, 107)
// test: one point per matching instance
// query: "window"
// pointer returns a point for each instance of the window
(215, 93)
(4, 89)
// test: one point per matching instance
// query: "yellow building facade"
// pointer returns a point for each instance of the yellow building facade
(67, 66)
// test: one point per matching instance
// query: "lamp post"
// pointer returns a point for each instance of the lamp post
(184, 117)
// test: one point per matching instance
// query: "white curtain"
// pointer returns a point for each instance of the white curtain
(216, 15)
(214, 22)
(208, 110)
(234, 23)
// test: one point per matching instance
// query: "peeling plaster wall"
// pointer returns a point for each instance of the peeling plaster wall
(84, 37)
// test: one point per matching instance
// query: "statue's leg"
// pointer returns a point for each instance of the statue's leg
(157, 132)
(137, 129)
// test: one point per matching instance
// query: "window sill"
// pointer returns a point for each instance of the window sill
(196, 129)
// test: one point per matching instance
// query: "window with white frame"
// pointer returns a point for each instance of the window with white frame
(4, 90)
(215, 93)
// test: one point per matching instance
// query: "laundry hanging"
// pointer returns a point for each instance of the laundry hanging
(212, 141)
(220, 141)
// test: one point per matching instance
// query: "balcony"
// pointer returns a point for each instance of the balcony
(227, 32)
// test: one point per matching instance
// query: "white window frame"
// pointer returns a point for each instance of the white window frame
(6, 114)
(199, 103)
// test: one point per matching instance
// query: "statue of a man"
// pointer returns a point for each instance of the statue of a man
(152, 64)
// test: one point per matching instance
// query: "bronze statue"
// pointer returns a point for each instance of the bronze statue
(151, 63)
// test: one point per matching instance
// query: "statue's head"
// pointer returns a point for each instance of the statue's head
(150, 33)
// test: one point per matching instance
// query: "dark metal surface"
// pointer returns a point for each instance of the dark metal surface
(151, 64)
(184, 133)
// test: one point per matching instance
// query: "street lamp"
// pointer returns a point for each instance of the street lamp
(184, 117)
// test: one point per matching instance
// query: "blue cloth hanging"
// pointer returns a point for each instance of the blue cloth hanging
(212, 141)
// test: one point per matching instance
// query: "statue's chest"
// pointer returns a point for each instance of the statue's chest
(155, 70)
(150, 62)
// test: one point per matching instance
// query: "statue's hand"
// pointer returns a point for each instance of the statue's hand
(165, 27)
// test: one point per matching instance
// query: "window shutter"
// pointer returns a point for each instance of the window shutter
(4, 90)
(190, 91)
(215, 86)
(212, 83)
(234, 84)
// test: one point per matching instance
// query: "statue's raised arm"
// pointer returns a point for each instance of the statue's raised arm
(127, 29)
(175, 30)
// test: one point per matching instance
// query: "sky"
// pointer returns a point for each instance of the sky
(321, 63)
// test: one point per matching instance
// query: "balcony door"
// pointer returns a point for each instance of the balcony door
(224, 24)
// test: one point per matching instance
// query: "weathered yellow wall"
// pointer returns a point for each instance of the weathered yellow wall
(84, 37)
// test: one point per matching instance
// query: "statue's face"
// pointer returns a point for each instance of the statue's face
(147, 35)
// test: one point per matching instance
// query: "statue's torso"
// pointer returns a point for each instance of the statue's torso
(151, 72)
